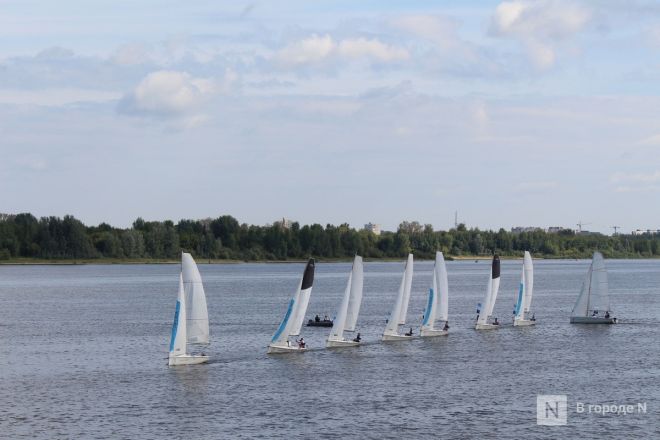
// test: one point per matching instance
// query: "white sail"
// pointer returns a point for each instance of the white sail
(408, 275)
(443, 287)
(528, 270)
(594, 295)
(491, 292)
(355, 298)
(437, 302)
(296, 309)
(178, 339)
(395, 317)
(337, 332)
(198, 316)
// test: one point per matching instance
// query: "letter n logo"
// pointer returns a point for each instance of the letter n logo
(551, 410)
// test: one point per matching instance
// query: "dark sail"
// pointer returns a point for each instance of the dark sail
(496, 266)
(308, 278)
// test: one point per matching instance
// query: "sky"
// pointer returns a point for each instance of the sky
(513, 113)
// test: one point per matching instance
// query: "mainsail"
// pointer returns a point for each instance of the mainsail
(350, 304)
(437, 302)
(491, 293)
(594, 295)
(524, 299)
(396, 317)
(198, 316)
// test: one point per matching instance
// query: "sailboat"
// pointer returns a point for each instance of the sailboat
(294, 316)
(438, 300)
(191, 318)
(400, 309)
(523, 304)
(486, 309)
(593, 304)
(349, 308)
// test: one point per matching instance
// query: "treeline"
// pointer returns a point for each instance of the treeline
(24, 236)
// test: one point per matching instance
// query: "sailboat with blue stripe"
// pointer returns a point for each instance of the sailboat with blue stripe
(522, 314)
(191, 318)
(294, 316)
(437, 302)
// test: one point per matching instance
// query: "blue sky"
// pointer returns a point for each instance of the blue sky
(513, 113)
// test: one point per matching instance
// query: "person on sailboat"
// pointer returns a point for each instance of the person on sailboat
(478, 311)
(325, 318)
(358, 338)
(607, 315)
(446, 327)
(410, 333)
(533, 317)
(317, 318)
(301, 343)
(496, 322)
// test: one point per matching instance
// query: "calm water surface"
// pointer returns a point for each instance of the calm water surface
(84, 356)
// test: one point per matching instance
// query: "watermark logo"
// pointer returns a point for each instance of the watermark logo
(551, 409)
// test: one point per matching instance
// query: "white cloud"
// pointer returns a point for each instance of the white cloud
(539, 25)
(536, 186)
(364, 48)
(646, 178)
(168, 93)
(439, 30)
(317, 49)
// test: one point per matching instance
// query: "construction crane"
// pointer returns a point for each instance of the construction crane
(580, 224)
(615, 228)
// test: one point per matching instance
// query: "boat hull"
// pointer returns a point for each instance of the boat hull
(426, 333)
(187, 359)
(341, 343)
(396, 337)
(523, 322)
(276, 349)
(312, 323)
(486, 326)
(591, 320)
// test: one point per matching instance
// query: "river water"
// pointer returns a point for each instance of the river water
(83, 355)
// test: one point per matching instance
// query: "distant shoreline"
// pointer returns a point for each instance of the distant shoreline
(112, 261)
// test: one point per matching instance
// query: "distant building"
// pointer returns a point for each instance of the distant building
(521, 229)
(285, 223)
(646, 232)
(373, 228)
(555, 229)
(5, 217)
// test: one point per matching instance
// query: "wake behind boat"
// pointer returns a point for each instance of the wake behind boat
(191, 318)
(485, 310)
(294, 316)
(348, 309)
(521, 313)
(400, 310)
(593, 303)
(438, 302)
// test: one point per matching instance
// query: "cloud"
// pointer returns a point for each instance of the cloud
(437, 29)
(171, 95)
(539, 26)
(618, 177)
(536, 186)
(317, 49)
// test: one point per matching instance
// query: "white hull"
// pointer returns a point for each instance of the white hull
(275, 349)
(342, 343)
(187, 359)
(424, 333)
(396, 337)
(486, 327)
(523, 322)
(592, 320)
